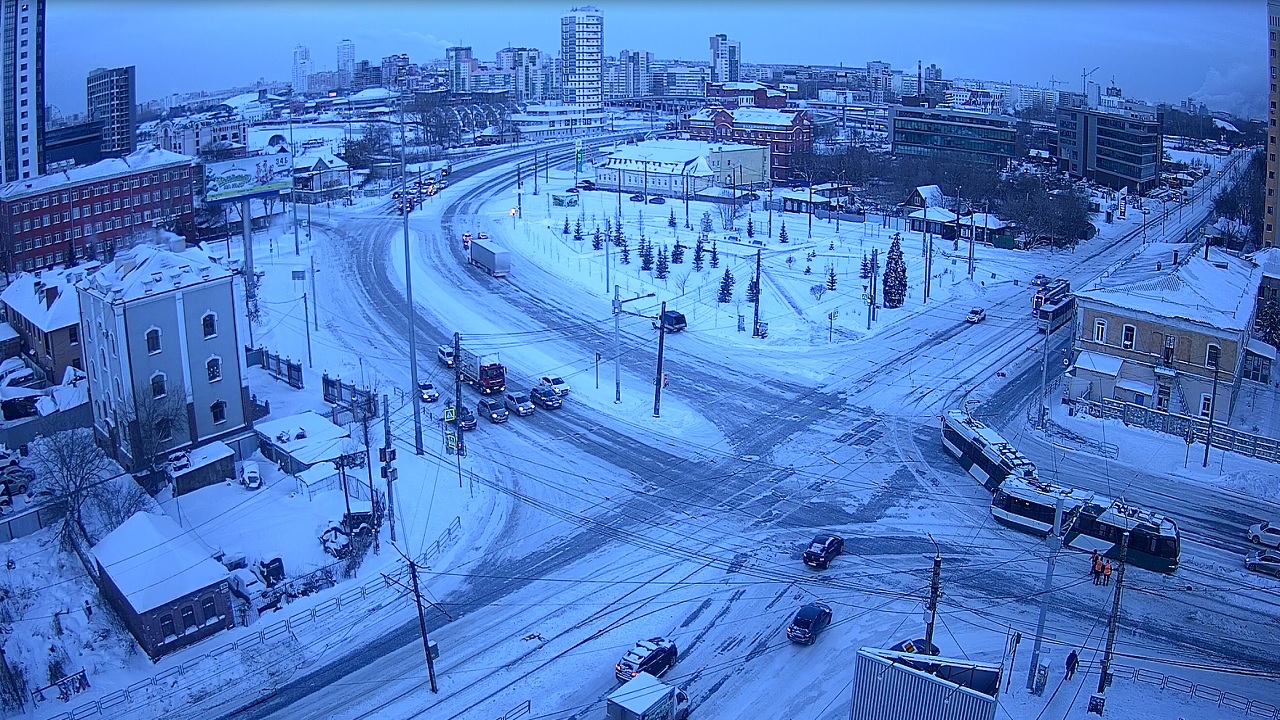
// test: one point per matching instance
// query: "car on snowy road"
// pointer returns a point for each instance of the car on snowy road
(492, 410)
(976, 315)
(654, 656)
(445, 355)
(468, 417)
(555, 383)
(427, 391)
(1265, 533)
(822, 550)
(657, 200)
(1040, 281)
(637, 198)
(545, 397)
(519, 403)
(809, 621)
(1263, 561)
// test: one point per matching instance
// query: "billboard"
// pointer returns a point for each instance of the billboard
(257, 175)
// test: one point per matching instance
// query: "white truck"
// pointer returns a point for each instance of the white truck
(645, 697)
(494, 259)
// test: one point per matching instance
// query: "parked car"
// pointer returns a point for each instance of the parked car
(250, 476)
(482, 236)
(750, 197)
(586, 185)
(1263, 561)
(1264, 533)
(917, 646)
(733, 238)
(16, 480)
(557, 384)
(1040, 281)
(822, 550)
(809, 621)
(492, 410)
(976, 315)
(637, 198)
(445, 355)
(519, 403)
(654, 656)
(464, 413)
(427, 391)
(179, 461)
(544, 397)
(657, 200)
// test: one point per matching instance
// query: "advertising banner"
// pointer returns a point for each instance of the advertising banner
(257, 175)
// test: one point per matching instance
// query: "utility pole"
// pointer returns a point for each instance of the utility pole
(422, 626)
(293, 195)
(315, 317)
(535, 173)
(871, 297)
(519, 192)
(928, 266)
(617, 332)
(409, 311)
(755, 326)
(935, 592)
(460, 447)
(1213, 409)
(657, 380)
(387, 455)
(306, 323)
(1055, 542)
(1114, 622)
(1043, 411)
(831, 324)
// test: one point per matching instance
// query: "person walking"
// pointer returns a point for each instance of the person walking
(1097, 570)
(1073, 661)
(1106, 573)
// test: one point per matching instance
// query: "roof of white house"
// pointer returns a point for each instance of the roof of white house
(1269, 260)
(236, 102)
(940, 214)
(309, 438)
(7, 332)
(1099, 363)
(672, 156)
(987, 220)
(932, 195)
(742, 86)
(149, 269)
(153, 561)
(28, 295)
(143, 158)
(308, 160)
(1218, 292)
(371, 94)
(749, 116)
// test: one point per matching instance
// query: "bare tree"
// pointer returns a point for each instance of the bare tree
(155, 425)
(118, 500)
(680, 279)
(729, 212)
(69, 465)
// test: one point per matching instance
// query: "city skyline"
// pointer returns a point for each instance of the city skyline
(1212, 52)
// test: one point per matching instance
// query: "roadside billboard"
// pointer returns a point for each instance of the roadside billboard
(256, 175)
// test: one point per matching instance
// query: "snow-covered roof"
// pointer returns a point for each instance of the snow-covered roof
(207, 454)
(749, 116)
(1099, 363)
(932, 195)
(987, 220)
(1218, 122)
(152, 561)
(742, 86)
(149, 269)
(372, 94)
(931, 213)
(307, 161)
(1258, 347)
(1137, 386)
(639, 693)
(317, 472)
(29, 296)
(1218, 292)
(1269, 260)
(672, 156)
(144, 158)
(323, 440)
(7, 332)
(237, 102)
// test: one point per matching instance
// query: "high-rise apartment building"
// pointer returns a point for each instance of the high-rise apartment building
(726, 59)
(112, 101)
(1273, 135)
(346, 62)
(301, 68)
(637, 73)
(461, 64)
(22, 91)
(532, 69)
(582, 57)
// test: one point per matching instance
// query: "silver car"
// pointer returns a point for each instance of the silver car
(1263, 561)
(519, 403)
(1265, 533)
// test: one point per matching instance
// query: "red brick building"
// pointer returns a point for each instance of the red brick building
(785, 132)
(746, 94)
(87, 211)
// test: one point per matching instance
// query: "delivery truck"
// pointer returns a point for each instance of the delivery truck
(493, 259)
(645, 697)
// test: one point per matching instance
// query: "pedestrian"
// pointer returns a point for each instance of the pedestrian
(1097, 571)
(88, 609)
(1106, 573)
(1073, 661)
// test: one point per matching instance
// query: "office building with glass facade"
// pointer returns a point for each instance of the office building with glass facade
(952, 135)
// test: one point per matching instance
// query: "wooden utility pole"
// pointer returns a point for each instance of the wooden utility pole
(935, 593)
(755, 325)
(422, 625)
(388, 455)
(662, 340)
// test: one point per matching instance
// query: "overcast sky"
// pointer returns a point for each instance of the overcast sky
(1215, 52)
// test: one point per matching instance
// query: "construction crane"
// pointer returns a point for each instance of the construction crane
(1084, 80)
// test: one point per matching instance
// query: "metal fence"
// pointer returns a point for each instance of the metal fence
(362, 403)
(280, 368)
(1190, 429)
(1221, 698)
(200, 685)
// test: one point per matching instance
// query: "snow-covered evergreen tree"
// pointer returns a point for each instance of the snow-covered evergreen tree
(677, 254)
(808, 270)
(565, 231)
(577, 231)
(626, 253)
(706, 224)
(715, 255)
(646, 255)
(895, 275)
(663, 267)
(753, 290)
(831, 278)
(726, 288)
(699, 249)
(671, 221)
(782, 234)
(866, 267)
(619, 238)
(597, 240)
(751, 227)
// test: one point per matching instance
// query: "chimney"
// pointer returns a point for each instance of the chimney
(1175, 257)
(50, 294)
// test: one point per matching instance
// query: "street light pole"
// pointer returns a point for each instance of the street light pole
(409, 311)
(293, 189)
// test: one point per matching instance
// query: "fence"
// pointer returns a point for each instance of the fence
(209, 681)
(29, 521)
(1191, 429)
(276, 366)
(363, 403)
(518, 711)
(1208, 693)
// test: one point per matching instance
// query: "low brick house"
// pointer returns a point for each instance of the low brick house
(44, 311)
(163, 583)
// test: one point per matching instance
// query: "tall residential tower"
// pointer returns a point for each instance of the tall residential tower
(22, 91)
(726, 59)
(582, 57)
(112, 101)
(1273, 135)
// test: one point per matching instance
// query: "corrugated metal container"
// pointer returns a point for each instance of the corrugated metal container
(886, 687)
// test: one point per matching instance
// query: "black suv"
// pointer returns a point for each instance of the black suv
(654, 656)
(468, 417)
(544, 397)
(492, 409)
(808, 622)
(822, 549)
